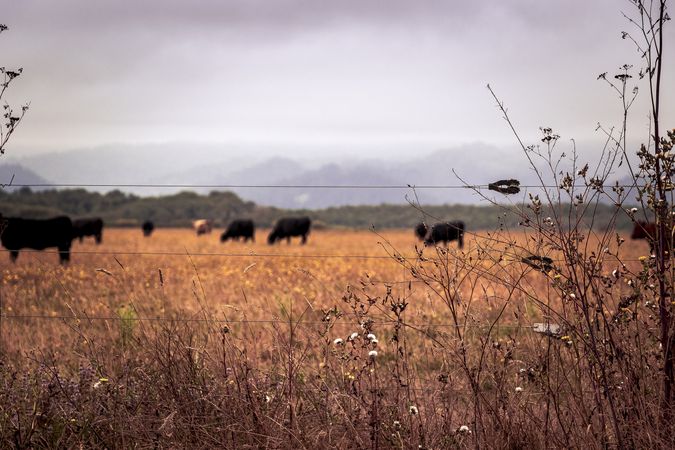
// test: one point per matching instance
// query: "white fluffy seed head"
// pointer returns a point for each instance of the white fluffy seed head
(372, 354)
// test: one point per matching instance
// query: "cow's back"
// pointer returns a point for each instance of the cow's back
(294, 226)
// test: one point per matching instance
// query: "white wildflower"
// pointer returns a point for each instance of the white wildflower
(519, 389)
(633, 210)
(372, 354)
(338, 341)
(572, 296)
(353, 336)
(371, 337)
(267, 398)
(413, 410)
(374, 341)
(397, 425)
(615, 273)
(464, 429)
(522, 371)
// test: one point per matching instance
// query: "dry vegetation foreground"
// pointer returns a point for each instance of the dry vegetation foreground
(354, 340)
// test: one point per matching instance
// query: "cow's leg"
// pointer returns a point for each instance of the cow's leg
(64, 253)
(81, 239)
(304, 239)
(13, 255)
(288, 240)
(99, 238)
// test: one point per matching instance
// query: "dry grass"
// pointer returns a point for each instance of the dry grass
(232, 288)
(239, 351)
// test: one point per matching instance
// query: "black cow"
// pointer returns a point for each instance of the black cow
(88, 227)
(147, 228)
(36, 234)
(421, 230)
(288, 227)
(446, 232)
(237, 229)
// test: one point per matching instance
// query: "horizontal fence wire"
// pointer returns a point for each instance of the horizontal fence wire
(85, 318)
(289, 186)
(393, 257)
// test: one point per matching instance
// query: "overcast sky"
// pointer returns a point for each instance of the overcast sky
(407, 74)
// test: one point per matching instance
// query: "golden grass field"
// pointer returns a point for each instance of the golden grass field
(177, 339)
(201, 277)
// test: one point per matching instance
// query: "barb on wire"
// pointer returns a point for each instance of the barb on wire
(542, 263)
(510, 186)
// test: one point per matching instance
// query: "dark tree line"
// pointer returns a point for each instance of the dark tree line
(178, 210)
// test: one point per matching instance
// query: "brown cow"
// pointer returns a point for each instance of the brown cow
(202, 226)
(647, 230)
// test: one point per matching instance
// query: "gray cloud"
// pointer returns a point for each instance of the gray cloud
(310, 71)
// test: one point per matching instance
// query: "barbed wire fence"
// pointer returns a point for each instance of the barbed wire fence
(267, 255)
(486, 186)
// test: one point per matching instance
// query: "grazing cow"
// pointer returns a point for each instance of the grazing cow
(237, 229)
(88, 227)
(37, 234)
(421, 230)
(147, 227)
(647, 230)
(446, 232)
(288, 227)
(202, 226)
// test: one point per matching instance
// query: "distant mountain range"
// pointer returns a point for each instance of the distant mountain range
(211, 165)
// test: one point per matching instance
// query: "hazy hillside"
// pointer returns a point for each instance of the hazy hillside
(177, 164)
(18, 174)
